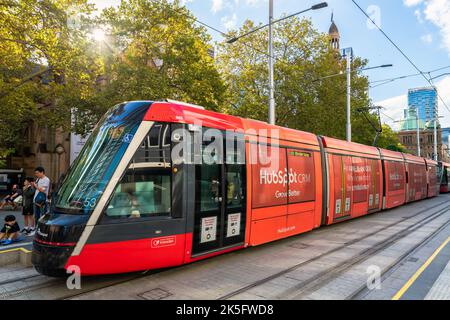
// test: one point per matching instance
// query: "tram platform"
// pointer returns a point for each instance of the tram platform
(399, 254)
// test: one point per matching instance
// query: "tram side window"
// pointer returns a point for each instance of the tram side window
(235, 191)
(208, 180)
(156, 146)
(142, 193)
(235, 172)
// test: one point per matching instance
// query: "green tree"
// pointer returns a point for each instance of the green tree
(45, 64)
(303, 55)
(52, 67)
(390, 140)
(154, 50)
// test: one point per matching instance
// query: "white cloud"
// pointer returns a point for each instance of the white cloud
(232, 5)
(438, 12)
(393, 110)
(428, 38)
(184, 2)
(229, 22)
(217, 5)
(393, 107)
(418, 15)
(411, 3)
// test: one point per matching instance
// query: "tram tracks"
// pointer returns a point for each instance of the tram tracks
(20, 279)
(364, 290)
(118, 282)
(24, 290)
(329, 274)
(58, 286)
(90, 285)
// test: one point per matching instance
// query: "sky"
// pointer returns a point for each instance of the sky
(420, 28)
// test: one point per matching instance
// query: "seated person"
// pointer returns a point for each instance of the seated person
(10, 231)
(9, 199)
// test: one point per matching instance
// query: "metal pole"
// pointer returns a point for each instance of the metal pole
(271, 67)
(349, 92)
(436, 156)
(418, 132)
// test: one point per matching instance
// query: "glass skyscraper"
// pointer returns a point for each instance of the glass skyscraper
(426, 100)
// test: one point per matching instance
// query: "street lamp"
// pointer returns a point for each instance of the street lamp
(272, 119)
(436, 158)
(59, 150)
(314, 7)
(348, 53)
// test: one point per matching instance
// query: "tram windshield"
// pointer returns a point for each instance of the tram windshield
(94, 167)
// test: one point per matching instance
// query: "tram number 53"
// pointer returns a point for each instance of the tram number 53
(90, 203)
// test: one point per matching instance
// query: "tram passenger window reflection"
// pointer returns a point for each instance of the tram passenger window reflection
(144, 193)
(234, 186)
(209, 187)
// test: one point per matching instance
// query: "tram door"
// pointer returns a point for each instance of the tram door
(219, 219)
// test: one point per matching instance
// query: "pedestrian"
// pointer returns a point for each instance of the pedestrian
(10, 231)
(42, 186)
(27, 208)
(11, 198)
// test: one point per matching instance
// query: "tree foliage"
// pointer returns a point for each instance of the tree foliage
(45, 64)
(305, 100)
(390, 140)
(154, 50)
(157, 52)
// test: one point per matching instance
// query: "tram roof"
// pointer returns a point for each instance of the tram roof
(349, 147)
(183, 113)
(413, 159)
(391, 155)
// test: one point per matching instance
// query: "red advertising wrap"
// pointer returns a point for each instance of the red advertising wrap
(270, 177)
(396, 177)
(361, 176)
(289, 178)
(301, 176)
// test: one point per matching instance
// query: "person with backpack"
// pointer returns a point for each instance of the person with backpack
(42, 186)
(27, 208)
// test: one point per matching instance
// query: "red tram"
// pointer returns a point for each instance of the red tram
(126, 205)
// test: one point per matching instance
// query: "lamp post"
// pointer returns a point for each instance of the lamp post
(418, 132)
(59, 150)
(272, 117)
(348, 53)
(436, 157)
